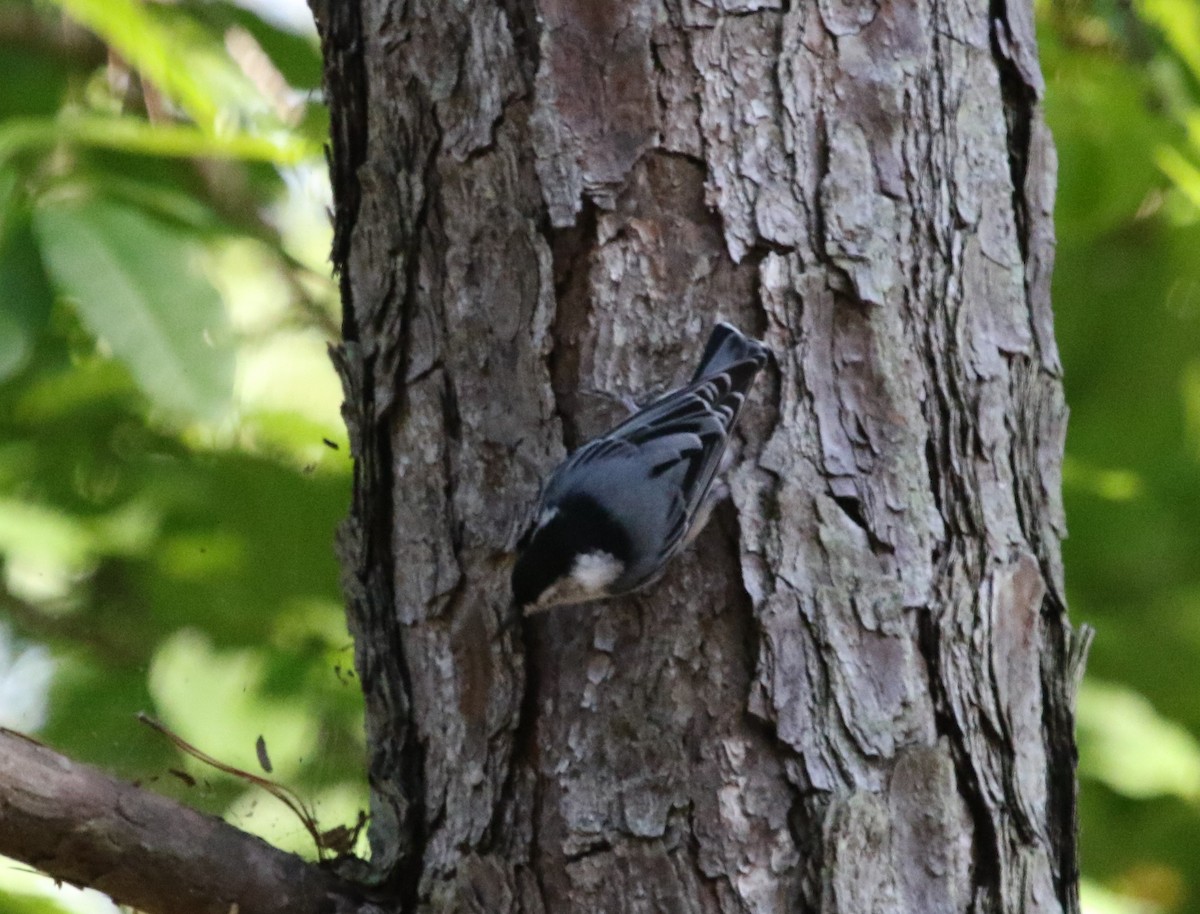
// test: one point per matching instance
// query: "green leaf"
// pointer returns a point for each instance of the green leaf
(1179, 21)
(1096, 899)
(187, 61)
(129, 134)
(235, 709)
(34, 83)
(1107, 138)
(25, 295)
(1181, 171)
(1125, 743)
(30, 897)
(167, 57)
(137, 284)
(297, 56)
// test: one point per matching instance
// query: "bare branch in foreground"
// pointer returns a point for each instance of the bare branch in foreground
(81, 826)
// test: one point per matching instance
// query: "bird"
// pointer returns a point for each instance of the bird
(615, 512)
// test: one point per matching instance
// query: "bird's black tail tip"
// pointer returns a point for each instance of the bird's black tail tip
(727, 346)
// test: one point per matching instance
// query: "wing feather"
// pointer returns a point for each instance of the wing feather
(682, 435)
(677, 440)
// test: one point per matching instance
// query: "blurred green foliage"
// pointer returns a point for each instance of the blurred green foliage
(172, 461)
(172, 465)
(1123, 99)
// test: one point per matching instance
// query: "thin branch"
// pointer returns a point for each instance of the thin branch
(82, 826)
(278, 791)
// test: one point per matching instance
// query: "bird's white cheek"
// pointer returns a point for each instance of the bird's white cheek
(588, 579)
(594, 571)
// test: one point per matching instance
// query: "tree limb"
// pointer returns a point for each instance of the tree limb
(81, 826)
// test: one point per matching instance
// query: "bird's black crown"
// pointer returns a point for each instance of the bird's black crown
(548, 553)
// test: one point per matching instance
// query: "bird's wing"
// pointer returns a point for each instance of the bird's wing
(681, 436)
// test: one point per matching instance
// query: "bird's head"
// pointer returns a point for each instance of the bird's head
(574, 552)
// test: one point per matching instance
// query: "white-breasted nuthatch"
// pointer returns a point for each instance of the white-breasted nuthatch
(618, 509)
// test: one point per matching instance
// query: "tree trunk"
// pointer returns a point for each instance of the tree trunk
(855, 693)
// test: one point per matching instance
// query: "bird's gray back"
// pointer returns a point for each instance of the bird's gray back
(653, 516)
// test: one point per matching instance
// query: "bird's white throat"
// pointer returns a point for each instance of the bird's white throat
(588, 579)
(594, 571)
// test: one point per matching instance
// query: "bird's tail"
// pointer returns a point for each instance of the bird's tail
(728, 346)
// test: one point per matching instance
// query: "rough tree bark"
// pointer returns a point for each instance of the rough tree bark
(855, 695)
